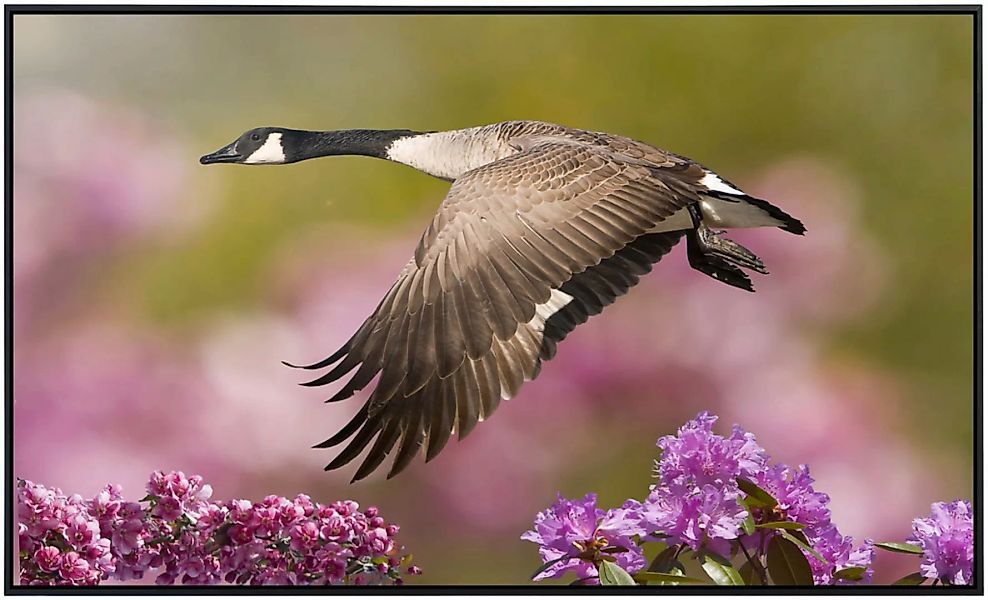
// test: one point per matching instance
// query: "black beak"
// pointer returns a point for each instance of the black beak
(226, 154)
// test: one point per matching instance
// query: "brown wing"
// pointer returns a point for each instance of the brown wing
(484, 300)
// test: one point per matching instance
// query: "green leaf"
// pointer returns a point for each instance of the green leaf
(748, 524)
(898, 547)
(756, 493)
(722, 574)
(781, 525)
(750, 503)
(666, 561)
(910, 579)
(800, 540)
(786, 563)
(611, 574)
(549, 564)
(666, 555)
(851, 573)
(749, 574)
(643, 576)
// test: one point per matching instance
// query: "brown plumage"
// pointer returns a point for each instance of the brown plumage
(542, 227)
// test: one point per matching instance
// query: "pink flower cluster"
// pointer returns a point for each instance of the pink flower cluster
(179, 534)
(60, 539)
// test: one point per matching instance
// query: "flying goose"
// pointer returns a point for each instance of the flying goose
(542, 227)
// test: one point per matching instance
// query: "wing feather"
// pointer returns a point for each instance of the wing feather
(466, 390)
(441, 420)
(461, 328)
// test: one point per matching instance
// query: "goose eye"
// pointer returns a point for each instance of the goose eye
(255, 137)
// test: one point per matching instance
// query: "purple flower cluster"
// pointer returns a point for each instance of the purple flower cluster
(697, 503)
(697, 500)
(801, 503)
(840, 553)
(575, 535)
(184, 537)
(947, 540)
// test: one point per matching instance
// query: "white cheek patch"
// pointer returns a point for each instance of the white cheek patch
(716, 184)
(270, 153)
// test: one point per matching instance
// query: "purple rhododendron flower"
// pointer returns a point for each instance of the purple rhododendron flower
(698, 503)
(696, 456)
(573, 534)
(696, 500)
(840, 553)
(708, 516)
(801, 503)
(947, 540)
(798, 501)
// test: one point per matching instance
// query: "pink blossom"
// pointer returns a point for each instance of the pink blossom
(334, 528)
(168, 508)
(241, 534)
(48, 558)
(304, 535)
(75, 569)
(81, 531)
(128, 536)
(106, 503)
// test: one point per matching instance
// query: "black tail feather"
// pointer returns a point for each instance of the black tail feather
(789, 222)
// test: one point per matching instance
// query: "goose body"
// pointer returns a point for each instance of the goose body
(543, 226)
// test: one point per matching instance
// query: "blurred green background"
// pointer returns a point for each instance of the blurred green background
(884, 100)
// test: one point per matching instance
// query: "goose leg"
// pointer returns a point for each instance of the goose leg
(719, 257)
(714, 243)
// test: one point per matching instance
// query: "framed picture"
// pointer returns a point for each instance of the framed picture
(772, 215)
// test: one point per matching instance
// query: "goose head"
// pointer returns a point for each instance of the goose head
(259, 146)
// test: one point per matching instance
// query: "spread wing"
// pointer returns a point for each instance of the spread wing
(520, 252)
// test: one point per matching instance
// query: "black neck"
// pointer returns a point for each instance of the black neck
(303, 145)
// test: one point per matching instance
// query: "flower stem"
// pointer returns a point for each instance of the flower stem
(755, 564)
